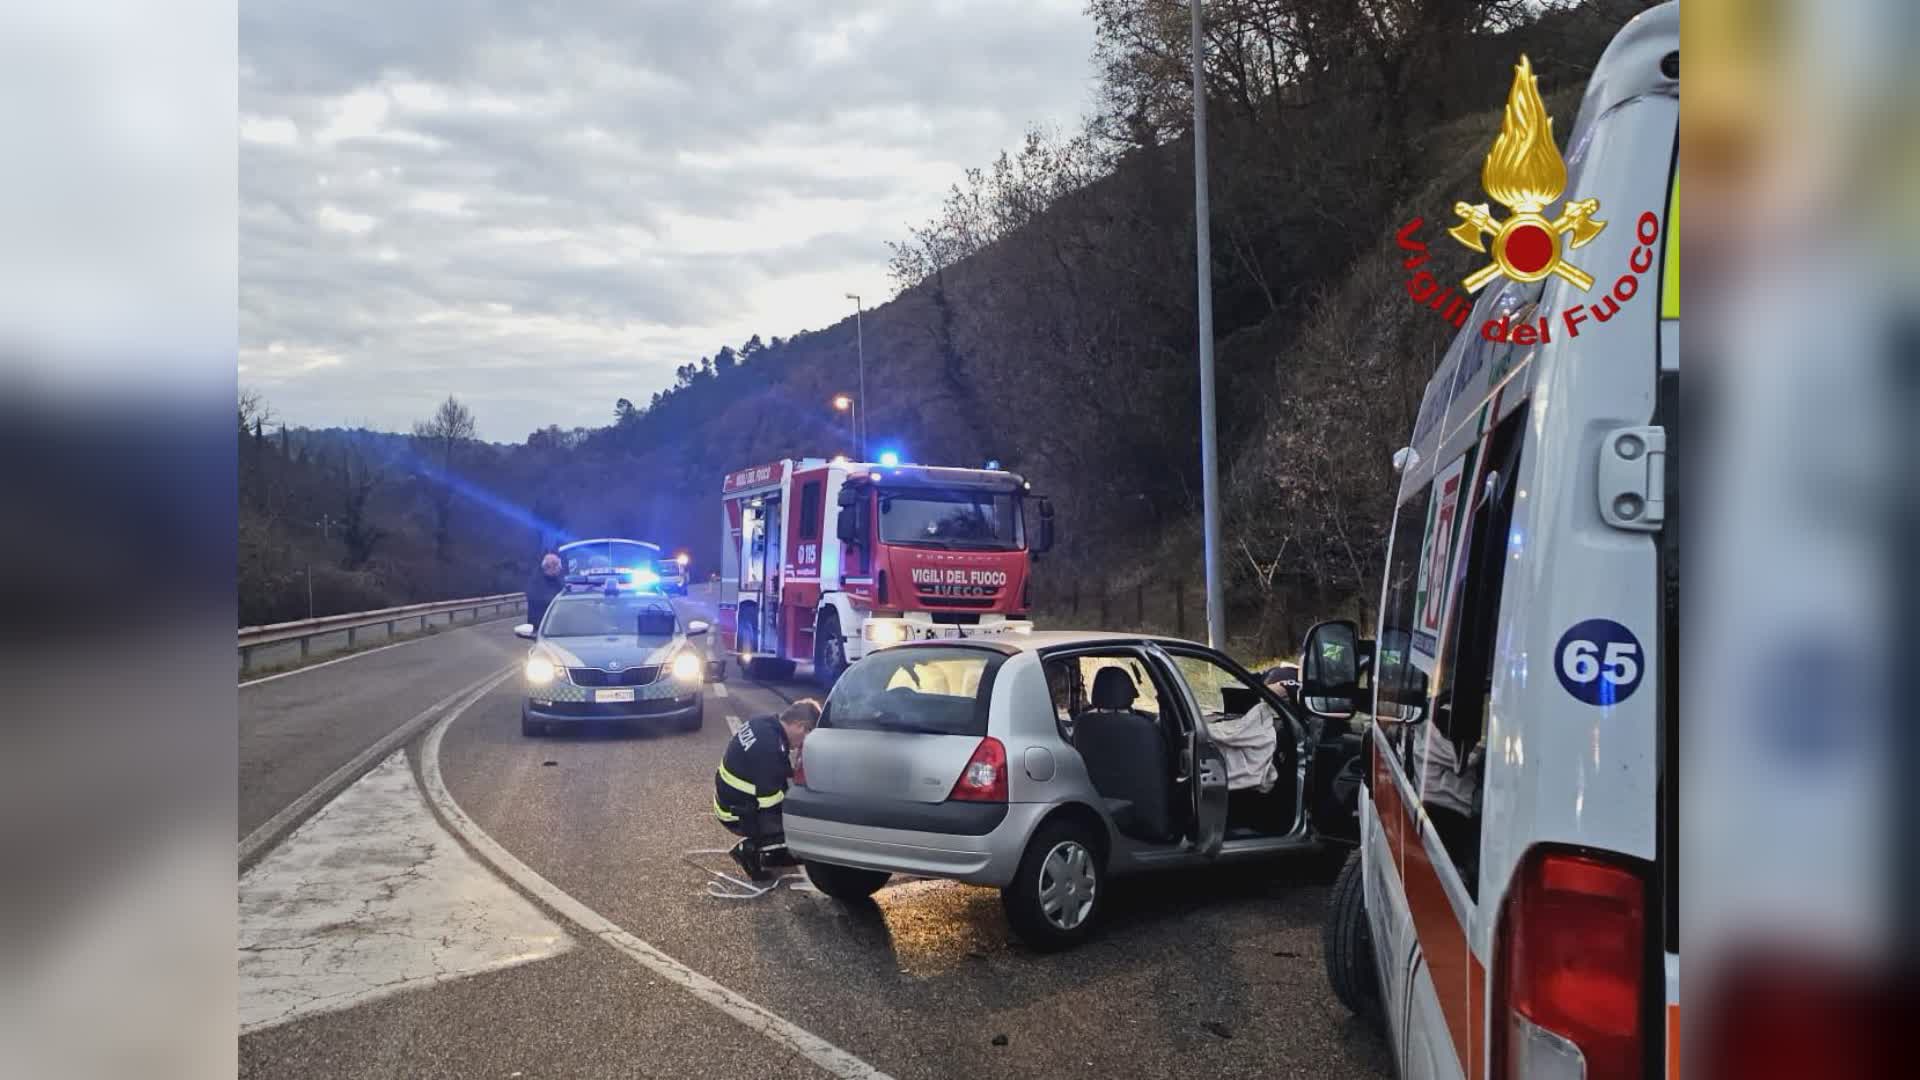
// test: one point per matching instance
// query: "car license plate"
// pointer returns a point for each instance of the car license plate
(622, 694)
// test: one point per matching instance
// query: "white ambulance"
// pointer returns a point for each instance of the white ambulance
(1512, 909)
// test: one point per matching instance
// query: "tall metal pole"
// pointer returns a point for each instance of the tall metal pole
(1203, 263)
(860, 350)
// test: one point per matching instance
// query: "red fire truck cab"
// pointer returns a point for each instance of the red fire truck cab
(826, 561)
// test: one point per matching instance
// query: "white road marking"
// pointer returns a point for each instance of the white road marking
(719, 689)
(830, 1058)
(733, 723)
(422, 636)
(371, 897)
(278, 825)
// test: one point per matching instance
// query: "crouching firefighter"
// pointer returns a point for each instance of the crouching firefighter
(752, 783)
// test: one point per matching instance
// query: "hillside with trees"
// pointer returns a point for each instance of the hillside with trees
(1045, 319)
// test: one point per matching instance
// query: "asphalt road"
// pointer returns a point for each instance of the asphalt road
(297, 728)
(1215, 974)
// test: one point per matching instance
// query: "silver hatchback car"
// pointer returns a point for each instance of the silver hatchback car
(1043, 764)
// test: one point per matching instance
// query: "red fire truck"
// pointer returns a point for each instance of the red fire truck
(910, 552)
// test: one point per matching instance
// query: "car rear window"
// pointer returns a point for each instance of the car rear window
(928, 691)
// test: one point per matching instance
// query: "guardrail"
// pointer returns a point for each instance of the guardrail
(305, 630)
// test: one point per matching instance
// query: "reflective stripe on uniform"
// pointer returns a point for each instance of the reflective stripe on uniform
(772, 800)
(723, 813)
(735, 782)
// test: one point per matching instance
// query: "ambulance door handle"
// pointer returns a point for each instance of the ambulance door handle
(1633, 478)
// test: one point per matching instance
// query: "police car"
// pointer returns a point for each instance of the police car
(631, 563)
(673, 574)
(610, 654)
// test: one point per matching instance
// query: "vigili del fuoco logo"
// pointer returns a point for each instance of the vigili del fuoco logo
(1524, 173)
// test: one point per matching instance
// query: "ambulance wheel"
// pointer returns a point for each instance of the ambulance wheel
(845, 883)
(829, 650)
(1348, 946)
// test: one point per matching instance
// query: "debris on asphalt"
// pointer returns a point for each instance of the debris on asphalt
(549, 763)
(1218, 1028)
(999, 1040)
(1289, 954)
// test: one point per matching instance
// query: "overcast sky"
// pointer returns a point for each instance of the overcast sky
(541, 207)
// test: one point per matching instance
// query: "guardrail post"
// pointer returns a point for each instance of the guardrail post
(390, 629)
(304, 646)
(351, 635)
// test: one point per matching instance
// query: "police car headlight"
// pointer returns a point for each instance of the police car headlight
(882, 633)
(687, 667)
(540, 670)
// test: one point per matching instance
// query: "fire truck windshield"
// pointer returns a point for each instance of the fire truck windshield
(951, 518)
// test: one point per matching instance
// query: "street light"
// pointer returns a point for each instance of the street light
(1203, 271)
(846, 403)
(860, 351)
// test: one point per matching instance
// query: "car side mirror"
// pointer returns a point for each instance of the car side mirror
(1330, 669)
(698, 627)
(1043, 533)
(524, 630)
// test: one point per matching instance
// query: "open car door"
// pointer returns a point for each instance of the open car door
(1202, 768)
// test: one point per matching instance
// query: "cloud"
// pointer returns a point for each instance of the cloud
(543, 207)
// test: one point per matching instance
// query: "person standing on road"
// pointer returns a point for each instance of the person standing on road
(543, 587)
(751, 783)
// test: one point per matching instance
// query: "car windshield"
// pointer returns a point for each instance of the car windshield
(605, 555)
(601, 616)
(956, 518)
(929, 691)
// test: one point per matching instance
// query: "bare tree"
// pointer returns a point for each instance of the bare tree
(441, 440)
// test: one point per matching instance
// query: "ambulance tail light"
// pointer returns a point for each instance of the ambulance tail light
(985, 777)
(1570, 970)
(1787, 1013)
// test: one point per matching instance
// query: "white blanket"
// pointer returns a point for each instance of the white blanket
(1248, 743)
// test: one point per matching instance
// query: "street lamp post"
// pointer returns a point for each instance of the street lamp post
(860, 351)
(1203, 264)
(847, 404)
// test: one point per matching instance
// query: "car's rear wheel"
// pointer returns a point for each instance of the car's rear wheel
(845, 883)
(829, 649)
(1057, 895)
(1348, 945)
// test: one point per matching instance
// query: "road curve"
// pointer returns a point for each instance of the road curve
(1215, 974)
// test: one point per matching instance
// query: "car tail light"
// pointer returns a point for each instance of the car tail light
(985, 777)
(1570, 971)
(1026, 593)
(880, 587)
